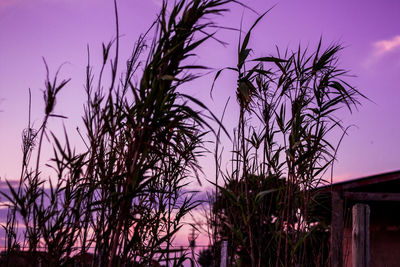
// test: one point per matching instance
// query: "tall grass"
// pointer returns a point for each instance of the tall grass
(281, 153)
(124, 198)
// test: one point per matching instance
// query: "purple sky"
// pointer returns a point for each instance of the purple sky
(59, 30)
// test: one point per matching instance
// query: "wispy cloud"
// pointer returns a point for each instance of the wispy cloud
(381, 49)
(386, 46)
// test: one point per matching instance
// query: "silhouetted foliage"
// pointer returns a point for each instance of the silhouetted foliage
(122, 198)
(211, 256)
(281, 151)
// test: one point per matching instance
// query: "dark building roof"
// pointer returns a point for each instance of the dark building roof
(380, 191)
(384, 182)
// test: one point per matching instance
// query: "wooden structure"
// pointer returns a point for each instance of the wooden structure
(370, 235)
(360, 238)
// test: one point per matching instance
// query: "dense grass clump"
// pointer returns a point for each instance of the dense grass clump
(281, 152)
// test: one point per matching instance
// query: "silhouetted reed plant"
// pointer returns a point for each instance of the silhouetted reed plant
(281, 152)
(122, 200)
(124, 197)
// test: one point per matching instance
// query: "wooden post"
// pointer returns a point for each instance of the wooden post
(337, 225)
(360, 236)
(224, 253)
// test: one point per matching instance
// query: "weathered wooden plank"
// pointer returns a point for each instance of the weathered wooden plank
(360, 235)
(369, 196)
(224, 253)
(337, 226)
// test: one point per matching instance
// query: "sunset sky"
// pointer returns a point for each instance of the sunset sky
(60, 30)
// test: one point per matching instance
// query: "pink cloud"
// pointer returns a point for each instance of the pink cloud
(386, 46)
(380, 49)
